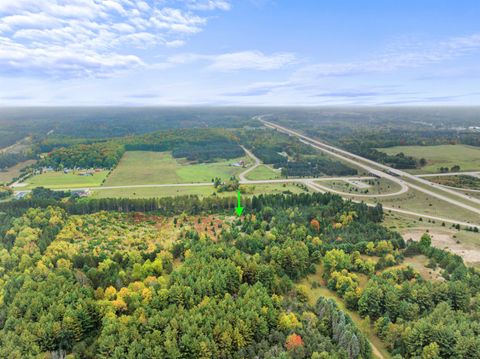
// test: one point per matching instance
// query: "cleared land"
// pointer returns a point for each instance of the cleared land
(137, 167)
(196, 190)
(263, 172)
(467, 157)
(371, 187)
(57, 180)
(14, 172)
(420, 202)
(464, 243)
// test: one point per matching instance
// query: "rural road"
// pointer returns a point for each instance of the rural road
(250, 169)
(370, 165)
(290, 180)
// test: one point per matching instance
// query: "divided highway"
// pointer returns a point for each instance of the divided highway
(383, 171)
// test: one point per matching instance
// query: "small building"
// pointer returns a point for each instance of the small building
(20, 195)
(80, 192)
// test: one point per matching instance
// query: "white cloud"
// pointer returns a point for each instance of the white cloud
(401, 58)
(234, 61)
(209, 5)
(89, 32)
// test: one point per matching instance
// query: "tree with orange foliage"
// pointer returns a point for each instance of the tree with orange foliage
(315, 224)
(293, 341)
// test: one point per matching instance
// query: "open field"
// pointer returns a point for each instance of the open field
(139, 167)
(467, 157)
(370, 187)
(58, 180)
(420, 202)
(14, 172)
(461, 181)
(263, 172)
(194, 190)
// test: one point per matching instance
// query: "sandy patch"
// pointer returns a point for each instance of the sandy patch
(444, 240)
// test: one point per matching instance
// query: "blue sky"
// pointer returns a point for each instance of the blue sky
(239, 52)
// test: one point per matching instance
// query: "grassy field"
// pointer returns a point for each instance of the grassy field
(422, 203)
(13, 172)
(138, 167)
(58, 180)
(201, 191)
(467, 157)
(264, 172)
(377, 186)
(462, 181)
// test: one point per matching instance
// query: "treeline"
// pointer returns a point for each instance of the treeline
(194, 205)
(202, 145)
(11, 159)
(5, 192)
(101, 155)
(53, 142)
(399, 160)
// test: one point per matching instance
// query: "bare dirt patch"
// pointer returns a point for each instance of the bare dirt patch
(444, 239)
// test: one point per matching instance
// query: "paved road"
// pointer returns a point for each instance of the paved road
(372, 166)
(286, 180)
(248, 170)
(318, 188)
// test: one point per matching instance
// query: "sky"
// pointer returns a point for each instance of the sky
(239, 52)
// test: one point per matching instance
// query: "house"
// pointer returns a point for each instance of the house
(240, 163)
(21, 194)
(80, 192)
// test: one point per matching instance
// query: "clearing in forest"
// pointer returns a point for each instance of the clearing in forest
(144, 167)
(61, 180)
(467, 157)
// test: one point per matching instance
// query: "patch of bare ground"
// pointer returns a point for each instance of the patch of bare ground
(453, 241)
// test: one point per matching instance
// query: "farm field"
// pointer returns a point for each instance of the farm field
(467, 157)
(201, 191)
(14, 171)
(138, 167)
(263, 172)
(60, 180)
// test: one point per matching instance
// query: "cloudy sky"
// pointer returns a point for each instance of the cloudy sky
(239, 52)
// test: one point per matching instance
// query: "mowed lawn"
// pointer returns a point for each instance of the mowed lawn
(60, 180)
(143, 167)
(467, 157)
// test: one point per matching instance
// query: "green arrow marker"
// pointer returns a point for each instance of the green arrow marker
(239, 208)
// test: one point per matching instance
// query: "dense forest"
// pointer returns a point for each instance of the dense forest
(183, 278)
(11, 159)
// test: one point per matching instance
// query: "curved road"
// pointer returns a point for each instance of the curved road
(362, 162)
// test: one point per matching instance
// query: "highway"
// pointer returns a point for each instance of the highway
(371, 166)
